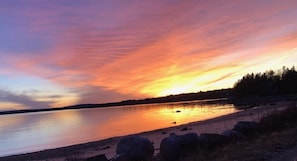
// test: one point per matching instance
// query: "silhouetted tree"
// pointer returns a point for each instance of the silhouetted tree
(288, 83)
(267, 83)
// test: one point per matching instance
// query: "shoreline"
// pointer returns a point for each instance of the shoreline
(108, 146)
(241, 103)
(199, 96)
(107, 105)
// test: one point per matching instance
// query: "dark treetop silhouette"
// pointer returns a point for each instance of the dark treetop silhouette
(269, 83)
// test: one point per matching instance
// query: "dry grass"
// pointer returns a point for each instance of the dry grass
(259, 148)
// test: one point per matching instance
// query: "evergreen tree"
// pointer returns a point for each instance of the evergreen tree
(267, 83)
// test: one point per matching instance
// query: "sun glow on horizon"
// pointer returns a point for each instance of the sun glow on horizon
(194, 81)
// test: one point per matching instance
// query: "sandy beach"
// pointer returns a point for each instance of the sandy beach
(108, 146)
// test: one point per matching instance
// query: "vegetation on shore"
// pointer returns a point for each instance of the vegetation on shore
(270, 83)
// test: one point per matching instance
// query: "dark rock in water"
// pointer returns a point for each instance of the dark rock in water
(173, 146)
(246, 127)
(170, 148)
(210, 141)
(135, 148)
(232, 135)
(100, 157)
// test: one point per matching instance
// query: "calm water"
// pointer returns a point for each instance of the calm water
(22, 133)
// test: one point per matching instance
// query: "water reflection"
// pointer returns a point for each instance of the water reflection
(30, 132)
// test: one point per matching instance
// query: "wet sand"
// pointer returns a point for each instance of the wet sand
(108, 146)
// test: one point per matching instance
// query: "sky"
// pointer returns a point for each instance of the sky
(56, 53)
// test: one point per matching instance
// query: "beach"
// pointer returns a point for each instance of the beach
(108, 146)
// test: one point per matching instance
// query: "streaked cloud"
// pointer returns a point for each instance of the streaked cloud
(110, 50)
(23, 100)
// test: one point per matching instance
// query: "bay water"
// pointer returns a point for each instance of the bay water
(28, 132)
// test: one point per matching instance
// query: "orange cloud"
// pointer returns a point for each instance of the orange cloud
(161, 48)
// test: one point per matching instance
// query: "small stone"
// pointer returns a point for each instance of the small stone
(184, 129)
(105, 147)
(172, 134)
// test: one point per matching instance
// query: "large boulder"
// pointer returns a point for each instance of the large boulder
(233, 135)
(170, 148)
(210, 141)
(246, 127)
(174, 146)
(189, 141)
(135, 148)
(100, 157)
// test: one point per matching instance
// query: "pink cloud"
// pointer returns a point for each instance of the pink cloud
(143, 49)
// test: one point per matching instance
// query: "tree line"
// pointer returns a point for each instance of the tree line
(269, 83)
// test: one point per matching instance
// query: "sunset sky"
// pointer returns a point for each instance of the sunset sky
(57, 53)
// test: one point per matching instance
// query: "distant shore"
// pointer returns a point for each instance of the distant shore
(215, 94)
(107, 146)
(209, 97)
